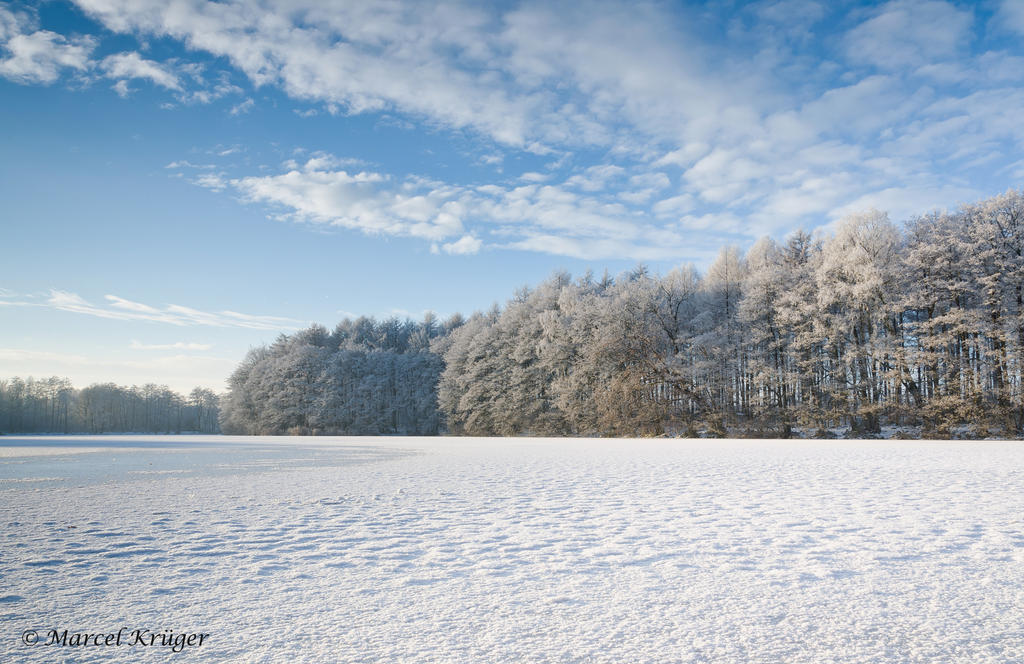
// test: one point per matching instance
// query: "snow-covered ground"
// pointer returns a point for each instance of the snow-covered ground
(515, 550)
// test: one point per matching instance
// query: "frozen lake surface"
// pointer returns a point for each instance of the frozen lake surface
(514, 550)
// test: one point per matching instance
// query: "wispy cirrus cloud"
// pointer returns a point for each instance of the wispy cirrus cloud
(178, 345)
(118, 308)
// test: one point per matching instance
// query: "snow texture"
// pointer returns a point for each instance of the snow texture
(516, 550)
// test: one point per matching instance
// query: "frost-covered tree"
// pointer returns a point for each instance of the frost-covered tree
(723, 359)
(858, 283)
(996, 236)
(366, 377)
(767, 338)
(940, 302)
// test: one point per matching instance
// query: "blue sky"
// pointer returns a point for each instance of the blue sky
(182, 180)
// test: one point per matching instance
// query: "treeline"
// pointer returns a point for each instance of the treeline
(53, 405)
(870, 325)
(367, 377)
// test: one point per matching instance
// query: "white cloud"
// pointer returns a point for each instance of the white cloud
(909, 34)
(456, 219)
(797, 14)
(493, 159)
(242, 107)
(650, 180)
(184, 163)
(122, 89)
(1016, 169)
(212, 181)
(178, 345)
(596, 178)
(208, 91)
(32, 56)
(644, 187)
(683, 157)
(756, 129)
(467, 244)
(809, 197)
(131, 65)
(465, 66)
(119, 308)
(905, 202)
(633, 63)
(224, 152)
(674, 205)
(712, 223)
(364, 200)
(596, 248)
(1011, 15)
(38, 56)
(859, 109)
(358, 56)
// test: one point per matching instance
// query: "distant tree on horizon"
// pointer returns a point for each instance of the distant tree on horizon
(53, 405)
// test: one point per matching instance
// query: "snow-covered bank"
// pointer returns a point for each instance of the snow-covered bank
(481, 550)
